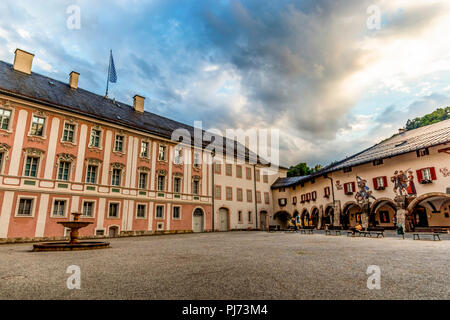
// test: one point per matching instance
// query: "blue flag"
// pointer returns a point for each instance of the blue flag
(112, 70)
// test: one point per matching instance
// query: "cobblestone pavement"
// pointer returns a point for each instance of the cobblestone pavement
(232, 265)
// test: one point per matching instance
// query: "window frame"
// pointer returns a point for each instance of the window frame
(60, 162)
(66, 202)
(44, 126)
(109, 210)
(179, 208)
(37, 166)
(74, 132)
(121, 143)
(140, 204)
(32, 207)
(10, 119)
(163, 211)
(94, 204)
(100, 138)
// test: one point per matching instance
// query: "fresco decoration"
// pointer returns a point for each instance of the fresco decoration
(404, 183)
(339, 186)
(364, 193)
(445, 172)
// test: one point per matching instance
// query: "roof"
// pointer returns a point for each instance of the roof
(401, 143)
(38, 88)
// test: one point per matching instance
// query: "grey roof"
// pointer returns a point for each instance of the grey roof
(57, 94)
(401, 143)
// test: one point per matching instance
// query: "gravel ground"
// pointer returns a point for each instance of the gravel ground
(232, 265)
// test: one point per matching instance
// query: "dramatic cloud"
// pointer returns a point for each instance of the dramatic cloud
(311, 69)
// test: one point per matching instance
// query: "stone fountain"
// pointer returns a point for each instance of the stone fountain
(74, 243)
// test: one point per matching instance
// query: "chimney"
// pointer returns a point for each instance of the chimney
(73, 79)
(138, 103)
(23, 61)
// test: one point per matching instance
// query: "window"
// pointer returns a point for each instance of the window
(144, 149)
(115, 179)
(176, 212)
(141, 208)
(239, 171)
(159, 212)
(422, 152)
(265, 178)
(37, 126)
(197, 160)
(258, 196)
(31, 167)
(379, 183)
(258, 175)
(240, 216)
(113, 210)
(248, 173)
(178, 156)
(377, 162)
(91, 176)
(161, 182)
(347, 169)
(69, 132)
(218, 193)
(162, 153)
(249, 195)
(384, 216)
(196, 187)
(218, 168)
(88, 209)
(64, 169)
(249, 216)
(239, 194)
(282, 202)
(326, 192)
(177, 185)
(349, 188)
(228, 169)
(1, 160)
(5, 117)
(143, 180)
(229, 193)
(118, 144)
(95, 138)
(266, 198)
(59, 208)
(426, 175)
(25, 207)
(294, 200)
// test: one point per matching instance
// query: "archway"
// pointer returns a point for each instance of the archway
(430, 210)
(314, 217)
(224, 219)
(282, 218)
(297, 218)
(113, 231)
(382, 213)
(198, 220)
(352, 214)
(328, 216)
(304, 218)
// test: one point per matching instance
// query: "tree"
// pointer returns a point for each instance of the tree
(438, 115)
(302, 169)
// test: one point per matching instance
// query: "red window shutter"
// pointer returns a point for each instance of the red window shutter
(419, 176)
(433, 173)
(353, 187)
(345, 188)
(385, 181)
(375, 183)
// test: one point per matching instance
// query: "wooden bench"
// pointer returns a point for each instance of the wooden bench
(378, 231)
(336, 229)
(434, 232)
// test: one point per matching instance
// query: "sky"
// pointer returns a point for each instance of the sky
(324, 73)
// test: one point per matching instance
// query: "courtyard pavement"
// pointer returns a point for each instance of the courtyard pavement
(232, 265)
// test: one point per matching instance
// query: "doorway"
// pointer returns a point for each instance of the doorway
(223, 216)
(262, 220)
(197, 220)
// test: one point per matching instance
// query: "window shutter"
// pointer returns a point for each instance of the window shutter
(314, 196)
(433, 173)
(353, 187)
(375, 183)
(419, 175)
(385, 181)
(345, 188)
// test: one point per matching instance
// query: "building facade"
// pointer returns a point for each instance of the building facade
(409, 172)
(64, 149)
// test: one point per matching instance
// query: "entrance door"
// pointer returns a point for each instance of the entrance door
(113, 232)
(262, 220)
(223, 215)
(197, 220)
(420, 216)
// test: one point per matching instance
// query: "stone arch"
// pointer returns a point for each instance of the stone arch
(345, 217)
(425, 196)
(424, 211)
(314, 217)
(198, 219)
(282, 217)
(304, 217)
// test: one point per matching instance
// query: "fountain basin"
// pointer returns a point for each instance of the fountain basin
(65, 246)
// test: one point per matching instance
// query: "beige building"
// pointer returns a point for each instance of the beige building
(411, 166)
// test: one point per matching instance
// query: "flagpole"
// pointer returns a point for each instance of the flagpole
(109, 69)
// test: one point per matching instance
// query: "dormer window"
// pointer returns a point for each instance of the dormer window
(377, 162)
(422, 152)
(347, 169)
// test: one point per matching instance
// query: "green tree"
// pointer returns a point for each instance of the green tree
(302, 169)
(439, 114)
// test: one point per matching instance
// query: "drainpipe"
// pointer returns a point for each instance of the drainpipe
(213, 189)
(256, 203)
(332, 195)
